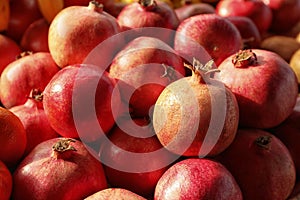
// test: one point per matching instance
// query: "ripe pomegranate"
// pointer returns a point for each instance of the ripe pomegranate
(59, 168)
(261, 165)
(248, 30)
(190, 10)
(12, 138)
(115, 193)
(196, 115)
(81, 34)
(5, 182)
(288, 133)
(78, 99)
(285, 14)
(35, 37)
(254, 76)
(134, 173)
(197, 178)
(256, 10)
(204, 30)
(9, 51)
(19, 78)
(22, 14)
(144, 67)
(34, 120)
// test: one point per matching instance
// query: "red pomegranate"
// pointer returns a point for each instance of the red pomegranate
(79, 101)
(125, 170)
(196, 115)
(5, 182)
(144, 67)
(59, 168)
(71, 38)
(115, 193)
(254, 76)
(20, 77)
(197, 178)
(202, 31)
(261, 164)
(35, 37)
(190, 10)
(34, 120)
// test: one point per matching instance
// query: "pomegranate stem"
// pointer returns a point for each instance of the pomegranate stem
(63, 145)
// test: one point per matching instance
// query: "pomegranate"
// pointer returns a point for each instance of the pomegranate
(248, 30)
(32, 71)
(22, 14)
(285, 14)
(256, 10)
(190, 10)
(196, 178)
(261, 165)
(196, 115)
(254, 76)
(115, 8)
(9, 51)
(78, 99)
(115, 193)
(35, 37)
(288, 133)
(59, 168)
(144, 67)
(5, 182)
(204, 30)
(34, 120)
(81, 34)
(125, 170)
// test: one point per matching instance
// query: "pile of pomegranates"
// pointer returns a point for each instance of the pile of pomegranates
(150, 99)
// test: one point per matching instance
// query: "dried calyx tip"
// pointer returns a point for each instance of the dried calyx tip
(263, 141)
(146, 3)
(36, 94)
(244, 58)
(63, 145)
(199, 68)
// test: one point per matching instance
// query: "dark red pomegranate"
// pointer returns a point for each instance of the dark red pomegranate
(144, 67)
(35, 37)
(6, 182)
(196, 115)
(59, 168)
(123, 169)
(197, 178)
(261, 164)
(203, 31)
(256, 10)
(34, 120)
(79, 101)
(81, 34)
(190, 10)
(115, 193)
(19, 78)
(264, 84)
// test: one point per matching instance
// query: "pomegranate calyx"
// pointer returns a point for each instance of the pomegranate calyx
(95, 6)
(63, 145)
(147, 3)
(36, 94)
(169, 72)
(263, 141)
(23, 54)
(244, 58)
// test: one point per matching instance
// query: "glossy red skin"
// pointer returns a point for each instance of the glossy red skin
(35, 122)
(289, 133)
(130, 67)
(115, 193)
(115, 8)
(248, 30)
(204, 30)
(254, 86)
(80, 35)
(9, 51)
(142, 183)
(261, 173)
(5, 182)
(256, 10)
(22, 14)
(73, 175)
(35, 38)
(285, 14)
(59, 104)
(189, 10)
(196, 178)
(25, 74)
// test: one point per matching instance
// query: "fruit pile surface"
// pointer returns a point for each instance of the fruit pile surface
(149, 99)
